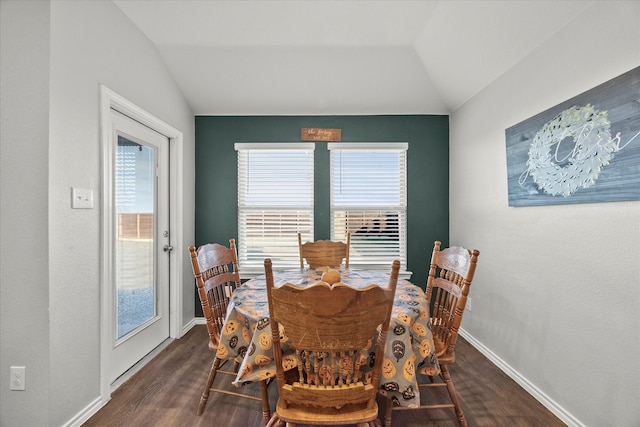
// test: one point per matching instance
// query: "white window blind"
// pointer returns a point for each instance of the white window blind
(275, 201)
(369, 199)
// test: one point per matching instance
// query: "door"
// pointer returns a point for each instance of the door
(140, 243)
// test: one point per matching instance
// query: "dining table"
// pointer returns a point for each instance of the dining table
(409, 351)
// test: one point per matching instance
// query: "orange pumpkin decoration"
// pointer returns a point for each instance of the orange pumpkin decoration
(330, 276)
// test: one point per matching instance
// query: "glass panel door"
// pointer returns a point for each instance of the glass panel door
(139, 294)
(135, 229)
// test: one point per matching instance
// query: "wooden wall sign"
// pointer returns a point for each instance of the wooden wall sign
(583, 150)
(321, 134)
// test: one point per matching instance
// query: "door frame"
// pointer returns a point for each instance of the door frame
(111, 100)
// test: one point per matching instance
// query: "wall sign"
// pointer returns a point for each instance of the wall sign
(321, 134)
(584, 150)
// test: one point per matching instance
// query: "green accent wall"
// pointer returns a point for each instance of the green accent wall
(427, 168)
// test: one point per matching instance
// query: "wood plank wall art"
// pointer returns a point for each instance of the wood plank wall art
(584, 150)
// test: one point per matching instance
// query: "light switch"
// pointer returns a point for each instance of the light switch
(81, 198)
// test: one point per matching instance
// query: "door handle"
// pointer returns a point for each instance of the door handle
(167, 248)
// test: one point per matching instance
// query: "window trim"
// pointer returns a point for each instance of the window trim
(274, 146)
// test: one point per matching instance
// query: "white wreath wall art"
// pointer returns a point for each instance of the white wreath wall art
(589, 129)
(584, 150)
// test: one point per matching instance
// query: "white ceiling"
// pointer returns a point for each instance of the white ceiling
(342, 57)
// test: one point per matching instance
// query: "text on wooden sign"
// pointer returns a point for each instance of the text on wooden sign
(321, 134)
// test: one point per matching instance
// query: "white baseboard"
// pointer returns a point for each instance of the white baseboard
(193, 322)
(86, 413)
(534, 391)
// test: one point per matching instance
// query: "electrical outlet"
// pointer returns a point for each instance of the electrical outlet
(17, 374)
(468, 306)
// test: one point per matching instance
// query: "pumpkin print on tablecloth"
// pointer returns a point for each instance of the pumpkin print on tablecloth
(222, 352)
(247, 369)
(390, 386)
(408, 393)
(368, 376)
(265, 341)
(266, 374)
(346, 364)
(233, 342)
(283, 337)
(399, 330)
(408, 369)
(424, 313)
(388, 368)
(262, 360)
(398, 349)
(326, 374)
(428, 370)
(230, 327)
(263, 323)
(245, 335)
(242, 351)
(288, 362)
(419, 329)
(425, 348)
(404, 318)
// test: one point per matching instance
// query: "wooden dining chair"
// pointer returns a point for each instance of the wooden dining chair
(332, 377)
(450, 275)
(217, 276)
(324, 253)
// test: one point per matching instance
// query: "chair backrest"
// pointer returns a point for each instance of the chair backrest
(450, 275)
(215, 268)
(324, 253)
(329, 327)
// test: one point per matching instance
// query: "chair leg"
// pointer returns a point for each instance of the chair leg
(266, 410)
(205, 394)
(387, 413)
(452, 394)
(275, 421)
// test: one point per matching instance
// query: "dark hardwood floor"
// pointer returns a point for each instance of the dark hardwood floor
(167, 390)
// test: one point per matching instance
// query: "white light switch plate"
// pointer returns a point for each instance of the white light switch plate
(81, 198)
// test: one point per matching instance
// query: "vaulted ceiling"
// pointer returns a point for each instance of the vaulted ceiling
(342, 57)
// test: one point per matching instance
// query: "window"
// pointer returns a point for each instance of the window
(369, 199)
(275, 201)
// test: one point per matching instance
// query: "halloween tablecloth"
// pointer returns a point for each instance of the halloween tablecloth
(409, 350)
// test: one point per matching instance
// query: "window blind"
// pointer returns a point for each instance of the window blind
(369, 199)
(275, 202)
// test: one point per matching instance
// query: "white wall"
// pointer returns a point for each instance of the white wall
(24, 258)
(556, 295)
(52, 112)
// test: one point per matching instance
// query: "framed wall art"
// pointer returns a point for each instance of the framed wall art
(584, 150)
